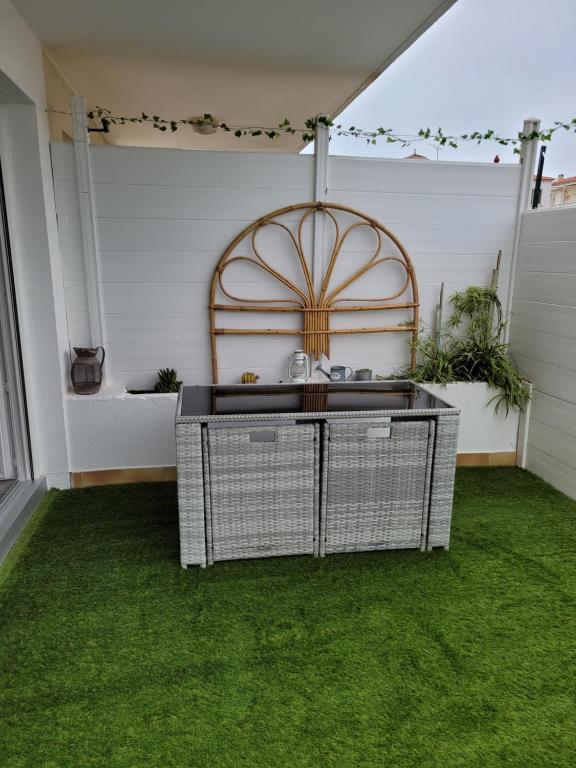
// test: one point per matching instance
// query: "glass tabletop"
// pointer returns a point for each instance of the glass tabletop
(306, 398)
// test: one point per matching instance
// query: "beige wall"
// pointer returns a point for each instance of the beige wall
(248, 64)
(180, 88)
(58, 93)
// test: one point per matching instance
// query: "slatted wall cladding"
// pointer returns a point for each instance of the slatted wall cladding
(543, 338)
(164, 217)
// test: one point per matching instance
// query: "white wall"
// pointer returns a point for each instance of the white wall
(24, 153)
(543, 338)
(451, 217)
(165, 216)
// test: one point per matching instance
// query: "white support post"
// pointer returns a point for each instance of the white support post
(523, 429)
(528, 162)
(87, 219)
(321, 150)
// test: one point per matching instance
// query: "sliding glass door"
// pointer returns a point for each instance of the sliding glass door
(14, 441)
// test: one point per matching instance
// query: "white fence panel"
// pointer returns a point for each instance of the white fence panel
(543, 338)
(164, 218)
(451, 217)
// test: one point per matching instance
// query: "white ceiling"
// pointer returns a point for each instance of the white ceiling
(111, 50)
(355, 35)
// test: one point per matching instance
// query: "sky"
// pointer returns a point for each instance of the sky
(484, 64)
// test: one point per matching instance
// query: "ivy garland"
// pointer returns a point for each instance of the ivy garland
(308, 132)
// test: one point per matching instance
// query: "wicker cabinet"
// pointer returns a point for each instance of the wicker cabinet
(376, 485)
(262, 487)
(276, 470)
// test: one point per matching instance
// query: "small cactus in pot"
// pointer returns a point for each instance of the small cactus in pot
(167, 381)
(249, 377)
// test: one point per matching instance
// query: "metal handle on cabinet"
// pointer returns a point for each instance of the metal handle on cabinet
(268, 436)
(375, 433)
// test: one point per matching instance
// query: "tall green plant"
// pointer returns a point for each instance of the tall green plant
(470, 348)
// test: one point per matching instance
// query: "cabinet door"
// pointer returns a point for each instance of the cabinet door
(377, 485)
(263, 490)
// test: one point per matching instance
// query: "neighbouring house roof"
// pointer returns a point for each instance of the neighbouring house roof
(563, 181)
(544, 178)
(416, 156)
(246, 63)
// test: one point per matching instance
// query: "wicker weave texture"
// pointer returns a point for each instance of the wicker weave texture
(207, 496)
(376, 486)
(428, 485)
(442, 485)
(263, 490)
(190, 495)
(248, 418)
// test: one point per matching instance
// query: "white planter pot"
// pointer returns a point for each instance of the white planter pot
(481, 430)
(113, 430)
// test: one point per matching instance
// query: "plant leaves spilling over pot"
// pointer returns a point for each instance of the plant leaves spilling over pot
(469, 347)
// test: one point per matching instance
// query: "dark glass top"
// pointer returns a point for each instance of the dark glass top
(306, 398)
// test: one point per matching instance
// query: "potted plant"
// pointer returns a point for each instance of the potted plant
(167, 383)
(467, 362)
(471, 349)
(142, 422)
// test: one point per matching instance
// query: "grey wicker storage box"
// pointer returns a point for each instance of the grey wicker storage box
(263, 490)
(376, 485)
(381, 477)
(191, 504)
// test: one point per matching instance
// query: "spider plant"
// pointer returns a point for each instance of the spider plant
(470, 348)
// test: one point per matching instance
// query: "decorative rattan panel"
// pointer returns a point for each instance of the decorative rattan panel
(314, 306)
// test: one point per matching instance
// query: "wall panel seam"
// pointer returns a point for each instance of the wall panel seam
(515, 326)
(546, 272)
(542, 362)
(551, 458)
(549, 426)
(554, 397)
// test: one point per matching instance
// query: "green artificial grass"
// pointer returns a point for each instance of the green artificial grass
(111, 655)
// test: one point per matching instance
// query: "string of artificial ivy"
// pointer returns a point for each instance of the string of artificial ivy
(337, 129)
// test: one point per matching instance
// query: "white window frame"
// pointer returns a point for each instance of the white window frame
(15, 455)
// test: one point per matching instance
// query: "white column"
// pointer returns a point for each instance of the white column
(87, 219)
(321, 151)
(528, 163)
(523, 429)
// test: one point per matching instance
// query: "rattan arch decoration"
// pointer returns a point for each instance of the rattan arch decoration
(315, 307)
